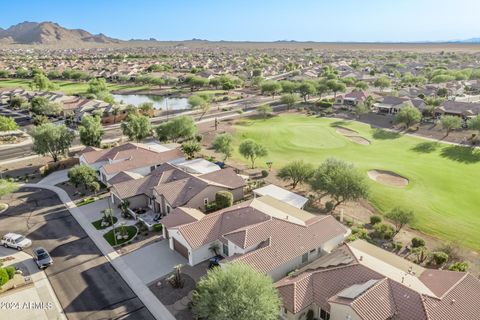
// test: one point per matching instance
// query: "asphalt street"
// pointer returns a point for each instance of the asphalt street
(86, 284)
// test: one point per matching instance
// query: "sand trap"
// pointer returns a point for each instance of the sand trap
(388, 178)
(346, 131)
(352, 135)
(359, 140)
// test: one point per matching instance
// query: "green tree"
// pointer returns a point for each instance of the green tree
(82, 175)
(296, 171)
(223, 144)
(252, 150)
(336, 86)
(235, 291)
(42, 106)
(191, 147)
(382, 83)
(41, 82)
(271, 88)
(361, 109)
(223, 199)
(91, 131)
(408, 116)
(306, 89)
(3, 276)
(474, 124)
(361, 85)
(289, 99)
(264, 110)
(97, 85)
(182, 127)
(51, 139)
(400, 217)
(340, 180)
(7, 124)
(459, 266)
(288, 86)
(17, 102)
(137, 127)
(450, 123)
(201, 102)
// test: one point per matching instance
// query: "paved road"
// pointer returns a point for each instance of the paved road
(86, 284)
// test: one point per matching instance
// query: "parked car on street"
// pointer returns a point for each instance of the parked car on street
(15, 241)
(42, 257)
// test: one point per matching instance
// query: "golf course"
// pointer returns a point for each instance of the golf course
(440, 182)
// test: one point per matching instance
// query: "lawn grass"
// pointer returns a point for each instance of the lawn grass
(86, 201)
(98, 223)
(132, 232)
(443, 179)
(67, 87)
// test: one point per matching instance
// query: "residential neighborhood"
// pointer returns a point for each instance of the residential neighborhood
(243, 161)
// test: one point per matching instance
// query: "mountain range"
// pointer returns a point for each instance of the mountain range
(49, 33)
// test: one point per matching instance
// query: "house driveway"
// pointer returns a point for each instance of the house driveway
(153, 261)
(55, 178)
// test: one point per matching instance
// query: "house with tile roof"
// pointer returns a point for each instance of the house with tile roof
(128, 159)
(392, 105)
(360, 281)
(267, 234)
(457, 108)
(168, 187)
(351, 99)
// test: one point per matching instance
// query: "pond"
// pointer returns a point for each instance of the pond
(159, 102)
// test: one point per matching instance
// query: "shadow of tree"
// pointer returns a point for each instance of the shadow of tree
(339, 123)
(426, 147)
(461, 154)
(381, 134)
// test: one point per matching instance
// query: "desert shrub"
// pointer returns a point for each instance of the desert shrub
(211, 206)
(439, 257)
(459, 266)
(11, 272)
(397, 245)
(375, 219)
(417, 242)
(358, 233)
(3, 276)
(264, 173)
(157, 227)
(223, 199)
(384, 231)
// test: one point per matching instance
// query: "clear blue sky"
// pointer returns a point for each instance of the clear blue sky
(257, 20)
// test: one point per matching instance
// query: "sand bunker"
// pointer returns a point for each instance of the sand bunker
(388, 178)
(352, 135)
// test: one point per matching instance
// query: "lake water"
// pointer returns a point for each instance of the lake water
(159, 102)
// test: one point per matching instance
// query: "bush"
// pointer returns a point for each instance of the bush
(397, 245)
(223, 199)
(459, 266)
(3, 276)
(439, 258)
(384, 231)
(11, 272)
(264, 173)
(157, 227)
(417, 242)
(375, 219)
(360, 233)
(211, 206)
(329, 206)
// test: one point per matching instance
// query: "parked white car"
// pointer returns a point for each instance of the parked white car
(15, 241)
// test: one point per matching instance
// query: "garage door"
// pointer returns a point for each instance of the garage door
(180, 248)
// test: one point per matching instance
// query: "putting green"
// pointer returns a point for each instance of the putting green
(444, 180)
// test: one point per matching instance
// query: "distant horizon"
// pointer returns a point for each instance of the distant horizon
(371, 21)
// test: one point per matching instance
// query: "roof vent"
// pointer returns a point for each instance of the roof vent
(453, 301)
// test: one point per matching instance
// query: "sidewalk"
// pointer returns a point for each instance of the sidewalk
(40, 293)
(156, 308)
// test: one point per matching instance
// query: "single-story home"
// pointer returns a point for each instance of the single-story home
(457, 108)
(360, 281)
(271, 236)
(391, 104)
(281, 194)
(351, 99)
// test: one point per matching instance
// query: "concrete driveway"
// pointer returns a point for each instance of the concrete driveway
(55, 178)
(153, 261)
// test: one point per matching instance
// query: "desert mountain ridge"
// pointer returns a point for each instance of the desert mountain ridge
(49, 33)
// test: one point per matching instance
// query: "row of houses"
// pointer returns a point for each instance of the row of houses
(312, 267)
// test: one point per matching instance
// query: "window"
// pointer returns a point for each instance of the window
(324, 315)
(205, 201)
(225, 250)
(305, 257)
(312, 251)
(152, 168)
(168, 209)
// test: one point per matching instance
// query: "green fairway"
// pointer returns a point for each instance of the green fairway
(444, 180)
(67, 87)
